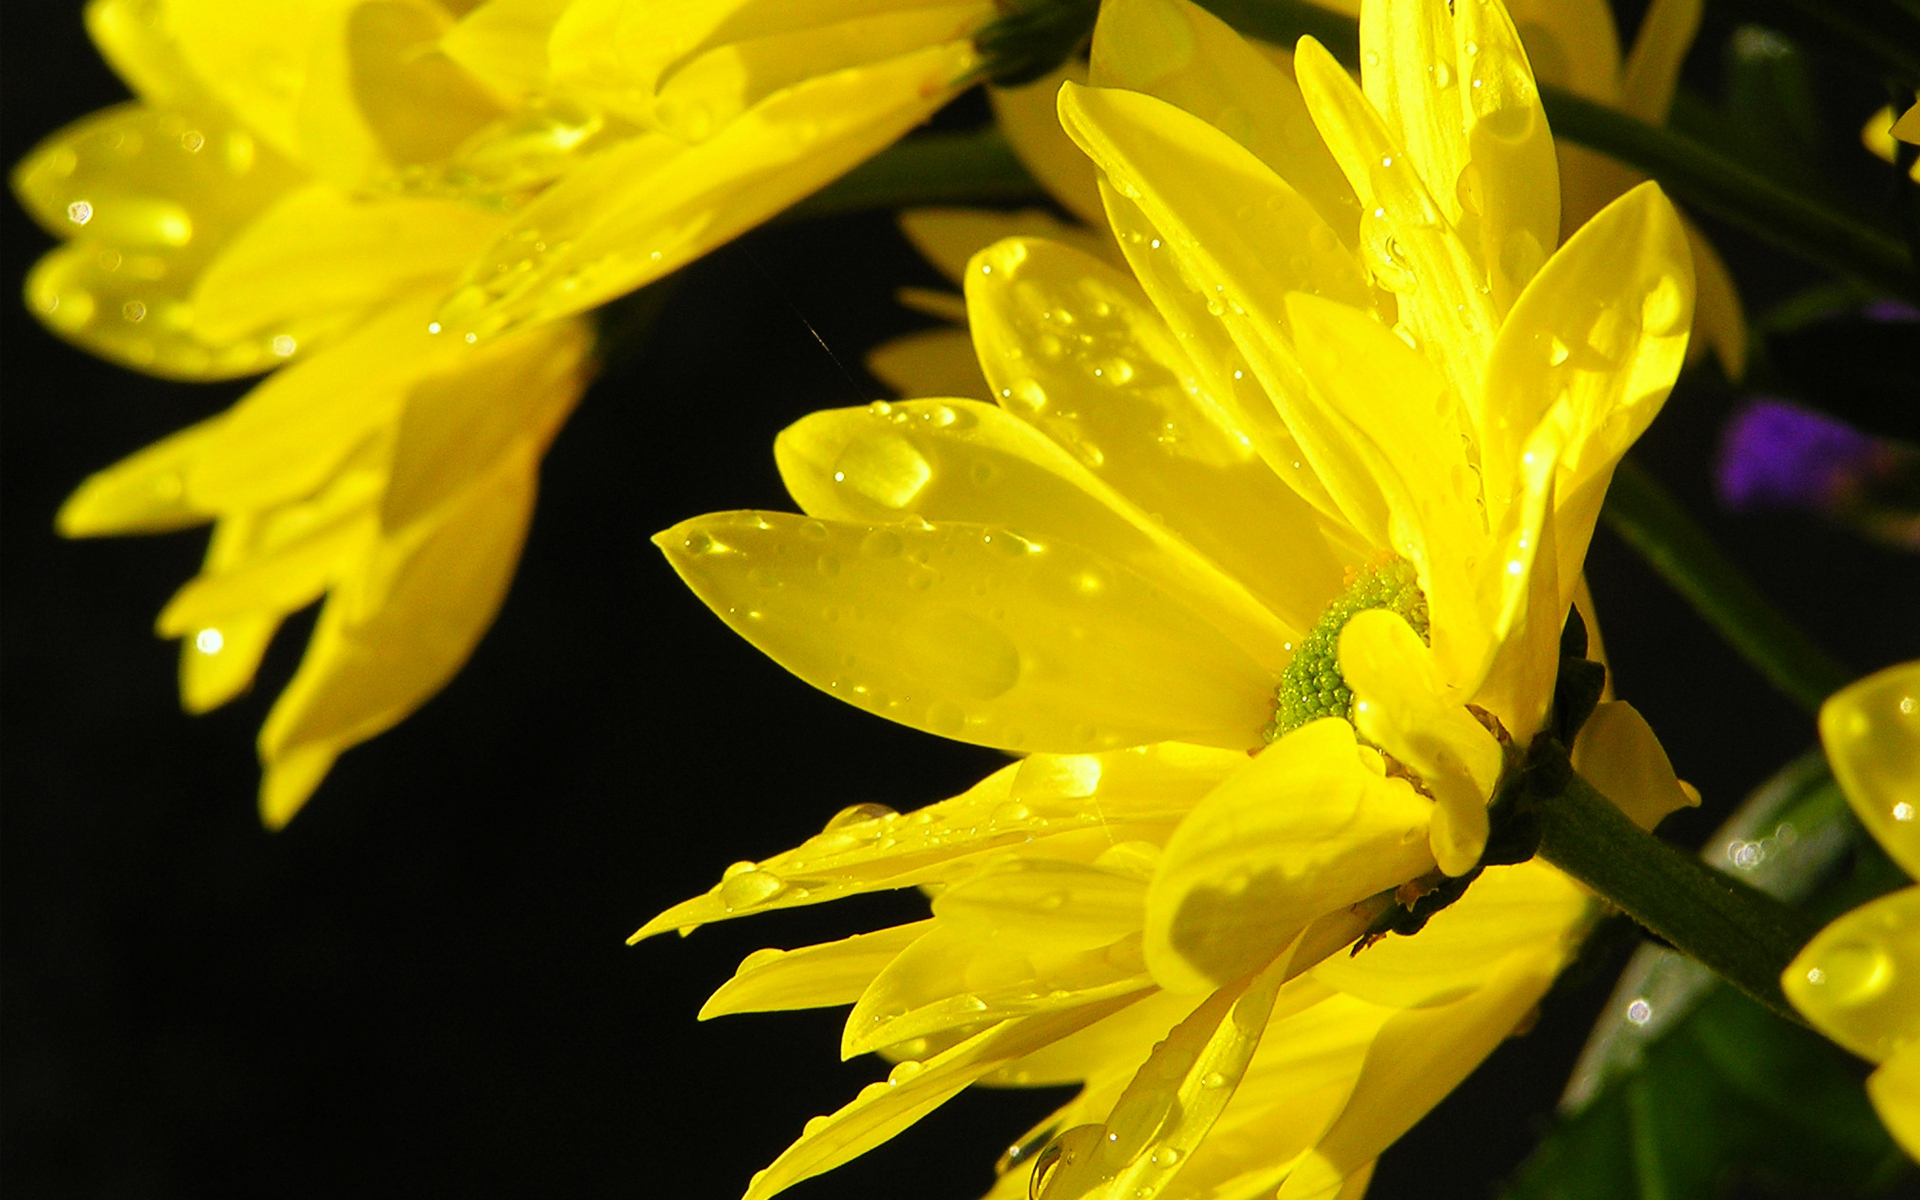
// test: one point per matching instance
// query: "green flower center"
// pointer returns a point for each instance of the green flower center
(1312, 687)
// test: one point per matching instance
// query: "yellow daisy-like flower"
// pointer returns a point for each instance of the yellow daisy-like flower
(1858, 980)
(1261, 556)
(406, 202)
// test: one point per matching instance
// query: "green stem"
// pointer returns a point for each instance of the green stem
(1691, 171)
(931, 168)
(1642, 512)
(1740, 933)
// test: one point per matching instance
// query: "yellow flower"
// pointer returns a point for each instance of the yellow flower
(1858, 980)
(1346, 430)
(366, 191)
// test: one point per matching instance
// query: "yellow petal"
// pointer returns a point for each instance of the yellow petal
(643, 208)
(255, 60)
(1411, 74)
(378, 94)
(956, 460)
(1871, 731)
(1718, 319)
(754, 57)
(393, 633)
(948, 238)
(1068, 807)
(812, 976)
(1395, 413)
(957, 978)
(1600, 336)
(292, 432)
(1513, 676)
(1305, 829)
(1619, 754)
(1420, 1056)
(1895, 1092)
(1071, 346)
(913, 1090)
(318, 253)
(1298, 1081)
(146, 492)
(132, 35)
(289, 578)
(1653, 67)
(1029, 117)
(217, 663)
(457, 424)
(503, 44)
(1186, 56)
(1229, 378)
(1402, 706)
(1174, 1098)
(1858, 980)
(1907, 128)
(973, 632)
(1531, 905)
(939, 362)
(1572, 44)
(1102, 1056)
(1406, 242)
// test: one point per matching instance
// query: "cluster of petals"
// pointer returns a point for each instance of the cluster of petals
(400, 208)
(1346, 338)
(1858, 980)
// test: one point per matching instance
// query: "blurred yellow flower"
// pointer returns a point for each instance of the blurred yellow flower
(1858, 980)
(368, 191)
(1335, 451)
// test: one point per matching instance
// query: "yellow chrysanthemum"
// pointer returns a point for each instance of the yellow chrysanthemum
(1858, 980)
(1350, 376)
(368, 191)
(1570, 43)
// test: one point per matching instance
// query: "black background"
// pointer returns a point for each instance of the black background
(421, 986)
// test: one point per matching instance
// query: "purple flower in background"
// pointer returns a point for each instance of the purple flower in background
(1776, 455)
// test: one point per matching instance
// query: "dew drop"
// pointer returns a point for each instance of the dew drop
(749, 888)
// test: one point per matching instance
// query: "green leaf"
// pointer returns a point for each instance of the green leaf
(1732, 1094)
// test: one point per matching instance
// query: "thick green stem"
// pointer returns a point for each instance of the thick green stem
(1694, 173)
(1653, 523)
(931, 168)
(1741, 934)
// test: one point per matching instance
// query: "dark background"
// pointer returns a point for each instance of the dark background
(421, 986)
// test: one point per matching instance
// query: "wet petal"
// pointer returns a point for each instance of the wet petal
(133, 37)
(1307, 828)
(1506, 909)
(1174, 1098)
(910, 1092)
(1406, 242)
(1186, 56)
(1516, 183)
(1571, 44)
(393, 633)
(1619, 754)
(257, 66)
(146, 492)
(1595, 343)
(820, 976)
(1410, 72)
(1070, 807)
(973, 632)
(217, 663)
(1871, 731)
(1073, 348)
(635, 212)
(1858, 980)
(948, 238)
(1405, 708)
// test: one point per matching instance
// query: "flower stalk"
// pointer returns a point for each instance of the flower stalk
(1739, 932)
(1642, 512)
